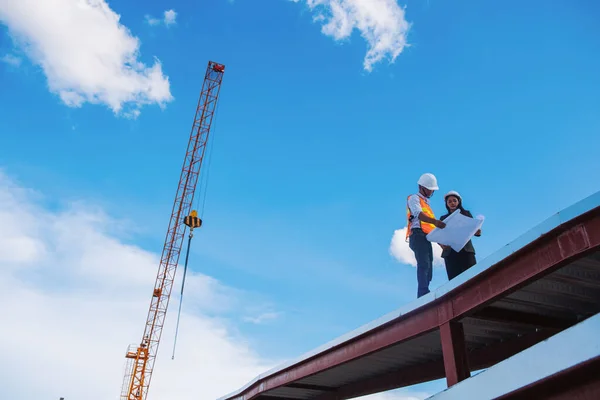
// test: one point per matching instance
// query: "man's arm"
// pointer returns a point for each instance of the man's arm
(429, 220)
(414, 205)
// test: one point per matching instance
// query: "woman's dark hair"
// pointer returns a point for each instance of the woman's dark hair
(460, 206)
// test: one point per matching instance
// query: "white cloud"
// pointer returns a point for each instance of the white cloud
(381, 23)
(152, 21)
(11, 59)
(267, 316)
(400, 250)
(86, 54)
(169, 18)
(75, 296)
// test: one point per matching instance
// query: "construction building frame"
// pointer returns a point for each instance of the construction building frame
(540, 286)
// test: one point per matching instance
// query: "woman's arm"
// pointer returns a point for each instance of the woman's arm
(468, 214)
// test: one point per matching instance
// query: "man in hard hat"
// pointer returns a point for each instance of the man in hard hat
(421, 221)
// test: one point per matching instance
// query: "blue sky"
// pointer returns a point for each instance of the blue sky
(313, 154)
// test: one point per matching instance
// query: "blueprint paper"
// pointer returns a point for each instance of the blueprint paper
(458, 231)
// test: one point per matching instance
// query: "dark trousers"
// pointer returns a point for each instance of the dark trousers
(419, 244)
(457, 263)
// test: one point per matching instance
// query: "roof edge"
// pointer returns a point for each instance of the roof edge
(569, 214)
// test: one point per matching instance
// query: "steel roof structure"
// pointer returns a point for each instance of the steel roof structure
(544, 282)
(555, 368)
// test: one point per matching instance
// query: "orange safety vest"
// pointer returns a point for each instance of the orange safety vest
(425, 226)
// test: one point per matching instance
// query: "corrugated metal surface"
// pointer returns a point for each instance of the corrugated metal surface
(568, 295)
(572, 291)
(481, 333)
(417, 351)
(522, 315)
(294, 393)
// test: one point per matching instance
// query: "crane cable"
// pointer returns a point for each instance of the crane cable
(210, 156)
(194, 222)
(187, 256)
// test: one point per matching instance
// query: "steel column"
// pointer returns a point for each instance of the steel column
(456, 362)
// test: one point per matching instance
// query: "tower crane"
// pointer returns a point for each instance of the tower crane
(140, 358)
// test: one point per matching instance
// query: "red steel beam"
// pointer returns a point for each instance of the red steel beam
(456, 362)
(433, 370)
(563, 244)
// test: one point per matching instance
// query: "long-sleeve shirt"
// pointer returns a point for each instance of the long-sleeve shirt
(414, 205)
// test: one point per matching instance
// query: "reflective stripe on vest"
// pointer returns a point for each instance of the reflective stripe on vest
(426, 209)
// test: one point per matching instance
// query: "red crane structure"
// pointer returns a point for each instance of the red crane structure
(140, 359)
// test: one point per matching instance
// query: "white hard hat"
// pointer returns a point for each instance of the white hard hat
(428, 181)
(452, 193)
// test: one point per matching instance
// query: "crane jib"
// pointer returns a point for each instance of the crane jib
(140, 359)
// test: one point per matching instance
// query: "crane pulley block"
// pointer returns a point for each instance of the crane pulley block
(192, 220)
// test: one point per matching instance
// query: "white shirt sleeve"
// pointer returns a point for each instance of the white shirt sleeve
(414, 205)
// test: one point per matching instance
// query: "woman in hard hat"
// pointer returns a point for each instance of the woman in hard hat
(457, 262)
